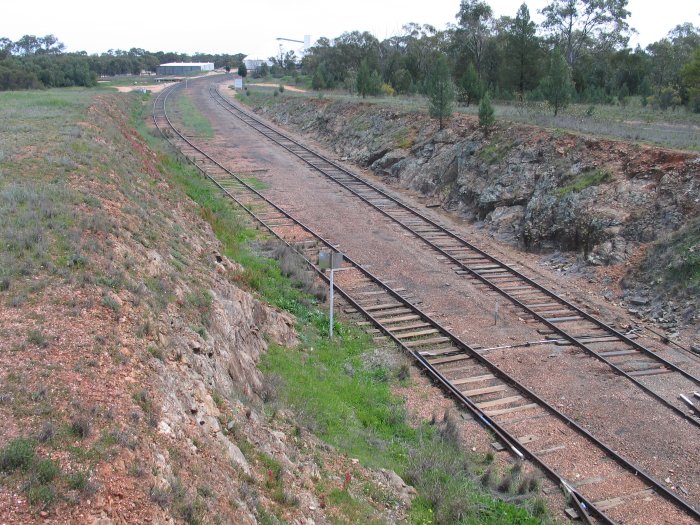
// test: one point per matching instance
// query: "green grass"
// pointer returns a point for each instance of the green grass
(43, 149)
(585, 180)
(349, 404)
(353, 510)
(351, 411)
(256, 183)
(404, 138)
(193, 118)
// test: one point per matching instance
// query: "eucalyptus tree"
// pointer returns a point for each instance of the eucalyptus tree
(475, 21)
(577, 26)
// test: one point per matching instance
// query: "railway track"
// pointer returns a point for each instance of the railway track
(563, 322)
(612, 490)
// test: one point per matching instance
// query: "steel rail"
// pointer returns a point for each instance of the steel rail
(513, 444)
(506, 268)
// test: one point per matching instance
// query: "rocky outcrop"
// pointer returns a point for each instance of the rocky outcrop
(539, 189)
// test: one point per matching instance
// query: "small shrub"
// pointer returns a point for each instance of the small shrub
(205, 491)
(271, 387)
(449, 430)
(539, 507)
(218, 400)
(488, 478)
(80, 427)
(191, 511)
(146, 403)
(18, 454)
(111, 303)
(281, 88)
(41, 494)
(136, 470)
(144, 329)
(486, 115)
(46, 433)
(528, 484)
(77, 261)
(388, 90)
(403, 373)
(163, 497)
(155, 352)
(37, 337)
(46, 471)
(78, 480)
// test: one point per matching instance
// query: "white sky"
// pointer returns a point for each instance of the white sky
(251, 26)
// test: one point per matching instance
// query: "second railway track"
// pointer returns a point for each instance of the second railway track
(613, 489)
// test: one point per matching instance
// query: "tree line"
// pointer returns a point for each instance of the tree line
(41, 62)
(580, 51)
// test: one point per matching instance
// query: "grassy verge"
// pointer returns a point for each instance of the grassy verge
(41, 218)
(341, 390)
(673, 129)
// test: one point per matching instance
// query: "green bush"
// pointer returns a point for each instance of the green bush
(18, 454)
(41, 494)
(46, 471)
(77, 480)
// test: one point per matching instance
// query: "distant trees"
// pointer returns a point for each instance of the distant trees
(510, 56)
(39, 62)
(440, 91)
(242, 70)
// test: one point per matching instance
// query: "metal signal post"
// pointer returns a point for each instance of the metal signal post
(330, 261)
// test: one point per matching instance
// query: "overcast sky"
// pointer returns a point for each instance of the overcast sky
(251, 26)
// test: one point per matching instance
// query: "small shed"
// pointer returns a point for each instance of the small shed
(184, 68)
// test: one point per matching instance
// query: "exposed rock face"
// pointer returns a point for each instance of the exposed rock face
(529, 186)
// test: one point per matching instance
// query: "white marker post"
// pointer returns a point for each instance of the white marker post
(330, 261)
